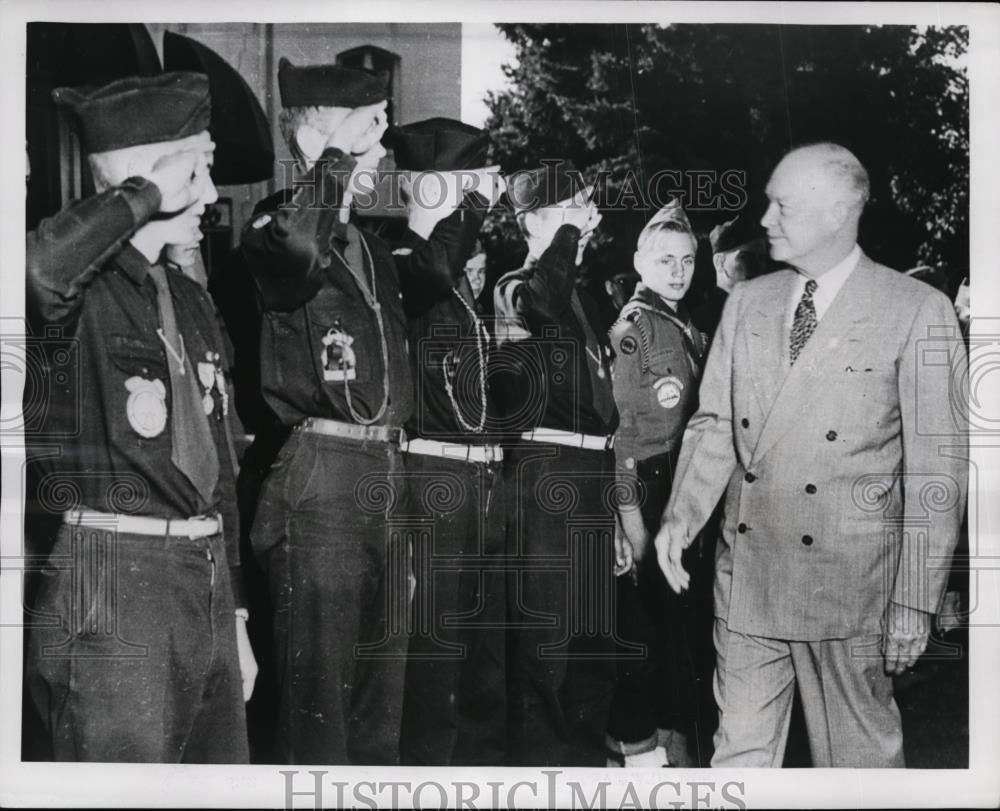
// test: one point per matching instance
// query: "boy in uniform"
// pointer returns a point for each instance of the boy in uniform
(658, 358)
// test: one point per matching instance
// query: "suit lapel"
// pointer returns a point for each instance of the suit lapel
(765, 331)
(832, 346)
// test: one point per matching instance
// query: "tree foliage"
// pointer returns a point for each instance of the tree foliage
(633, 101)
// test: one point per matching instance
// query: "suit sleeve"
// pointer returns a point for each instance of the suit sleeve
(281, 247)
(933, 375)
(543, 291)
(708, 456)
(65, 252)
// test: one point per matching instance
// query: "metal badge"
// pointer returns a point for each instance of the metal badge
(146, 407)
(668, 391)
(339, 360)
(206, 376)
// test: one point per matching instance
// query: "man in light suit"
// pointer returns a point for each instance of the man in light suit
(831, 415)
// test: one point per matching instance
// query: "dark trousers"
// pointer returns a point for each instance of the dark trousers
(454, 704)
(658, 689)
(561, 597)
(339, 578)
(133, 657)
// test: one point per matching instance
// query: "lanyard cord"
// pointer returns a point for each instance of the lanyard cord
(372, 301)
(482, 352)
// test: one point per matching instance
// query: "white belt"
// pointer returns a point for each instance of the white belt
(351, 430)
(586, 441)
(454, 450)
(200, 527)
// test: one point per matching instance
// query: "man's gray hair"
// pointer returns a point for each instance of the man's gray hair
(842, 166)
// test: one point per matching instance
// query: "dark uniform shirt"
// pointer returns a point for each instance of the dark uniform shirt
(105, 362)
(658, 359)
(333, 337)
(452, 348)
(562, 355)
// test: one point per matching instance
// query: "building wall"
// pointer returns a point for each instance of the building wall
(429, 78)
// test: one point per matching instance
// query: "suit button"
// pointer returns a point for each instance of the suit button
(807, 540)
(810, 488)
(745, 422)
(749, 478)
(831, 435)
(741, 528)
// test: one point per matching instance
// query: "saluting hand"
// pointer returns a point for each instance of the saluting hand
(489, 183)
(431, 197)
(671, 541)
(360, 130)
(174, 176)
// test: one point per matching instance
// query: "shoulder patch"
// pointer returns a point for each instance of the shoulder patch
(261, 221)
(628, 345)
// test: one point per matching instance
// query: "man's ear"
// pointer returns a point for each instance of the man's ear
(310, 141)
(839, 212)
(719, 260)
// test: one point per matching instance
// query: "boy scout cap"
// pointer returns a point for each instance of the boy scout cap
(671, 212)
(549, 184)
(329, 86)
(138, 110)
(441, 144)
(733, 233)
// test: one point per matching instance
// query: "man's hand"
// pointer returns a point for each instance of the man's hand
(248, 664)
(904, 637)
(173, 175)
(671, 541)
(431, 197)
(360, 130)
(623, 553)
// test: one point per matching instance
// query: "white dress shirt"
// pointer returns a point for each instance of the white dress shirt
(827, 286)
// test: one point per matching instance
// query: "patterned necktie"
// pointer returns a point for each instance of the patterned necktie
(193, 449)
(804, 323)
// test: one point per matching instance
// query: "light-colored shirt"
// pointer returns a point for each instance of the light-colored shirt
(827, 286)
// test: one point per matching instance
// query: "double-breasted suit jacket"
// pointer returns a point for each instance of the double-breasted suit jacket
(845, 473)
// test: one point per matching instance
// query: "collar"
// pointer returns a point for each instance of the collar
(130, 260)
(831, 281)
(646, 298)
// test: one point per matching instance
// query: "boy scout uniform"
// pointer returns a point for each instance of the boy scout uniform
(454, 703)
(560, 472)
(658, 358)
(335, 370)
(143, 578)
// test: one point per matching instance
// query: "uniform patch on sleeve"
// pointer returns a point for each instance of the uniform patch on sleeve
(628, 345)
(261, 221)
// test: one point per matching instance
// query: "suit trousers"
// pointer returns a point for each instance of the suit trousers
(851, 718)
(337, 557)
(455, 701)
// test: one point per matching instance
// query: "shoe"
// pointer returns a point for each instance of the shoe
(655, 759)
